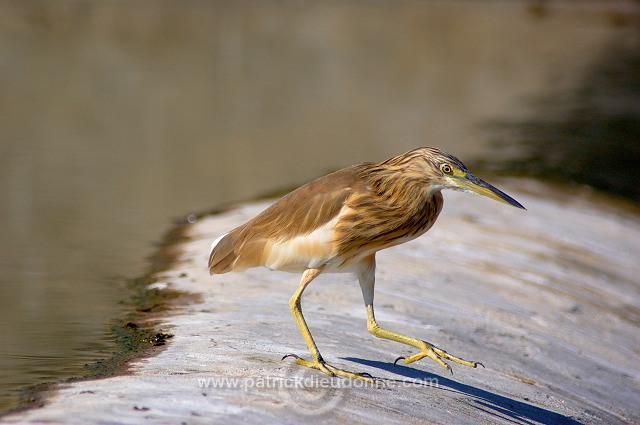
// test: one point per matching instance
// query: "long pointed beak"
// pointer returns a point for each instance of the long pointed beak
(473, 184)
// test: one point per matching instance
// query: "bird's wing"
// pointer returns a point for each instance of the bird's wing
(293, 233)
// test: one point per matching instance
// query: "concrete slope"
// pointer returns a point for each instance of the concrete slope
(548, 299)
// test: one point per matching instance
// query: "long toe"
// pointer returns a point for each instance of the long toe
(330, 370)
(437, 355)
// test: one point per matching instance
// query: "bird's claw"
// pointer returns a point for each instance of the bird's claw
(327, 369)
(437, 355)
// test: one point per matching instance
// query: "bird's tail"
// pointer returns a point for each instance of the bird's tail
(222, 255)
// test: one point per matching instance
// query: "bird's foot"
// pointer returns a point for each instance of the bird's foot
(325, 368)
(436, 354)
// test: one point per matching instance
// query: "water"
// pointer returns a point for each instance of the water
(116, 117)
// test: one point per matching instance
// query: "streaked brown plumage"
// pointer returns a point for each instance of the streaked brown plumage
(338, 222)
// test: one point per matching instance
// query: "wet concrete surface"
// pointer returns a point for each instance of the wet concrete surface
(548, 299)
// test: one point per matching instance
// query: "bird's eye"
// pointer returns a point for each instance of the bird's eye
(446, 168)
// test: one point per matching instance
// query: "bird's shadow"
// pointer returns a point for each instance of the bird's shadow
(493, 404)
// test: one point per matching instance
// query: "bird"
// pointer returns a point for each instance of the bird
(338, 222)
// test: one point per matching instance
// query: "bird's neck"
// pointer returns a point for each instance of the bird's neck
(403, 188)
(388, 209)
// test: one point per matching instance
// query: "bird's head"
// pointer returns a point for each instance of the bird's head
(445, 171)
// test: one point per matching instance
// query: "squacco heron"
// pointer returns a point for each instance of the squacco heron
(338, 222)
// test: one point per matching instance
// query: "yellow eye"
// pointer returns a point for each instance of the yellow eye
(446, 168)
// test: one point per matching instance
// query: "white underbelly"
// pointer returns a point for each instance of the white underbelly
(302, 252)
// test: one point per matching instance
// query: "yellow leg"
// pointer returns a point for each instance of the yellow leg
(317, 361)
(426, 349)
(366, 277)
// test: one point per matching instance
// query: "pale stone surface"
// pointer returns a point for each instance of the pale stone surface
(547, 299)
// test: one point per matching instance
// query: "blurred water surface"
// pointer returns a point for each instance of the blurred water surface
(116, 117)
